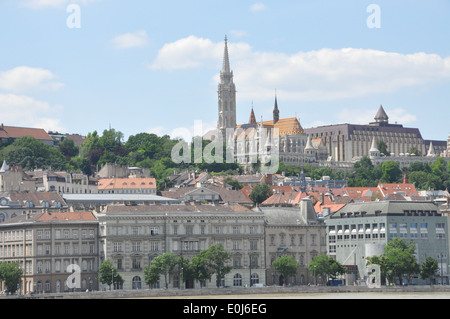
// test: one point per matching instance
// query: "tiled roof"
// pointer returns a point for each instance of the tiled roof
(66, 217)
(176, 209)
(126, 183)
(36, 197)
(280, 199)
(409, 189)
(226, 195)
(17, 132)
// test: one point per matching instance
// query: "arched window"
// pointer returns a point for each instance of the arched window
(254, 279)
(2, 217)
(47, 286)
(136, 283)
(237, 280)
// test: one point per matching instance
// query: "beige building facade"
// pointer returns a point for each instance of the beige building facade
(296, 232)
(131, 236)
(49, 247)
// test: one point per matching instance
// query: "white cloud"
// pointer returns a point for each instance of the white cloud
(20, 110)
(130, 40)
(193, 52)
(259, 6)
(320, 75)
(238, 33)
(25, 78)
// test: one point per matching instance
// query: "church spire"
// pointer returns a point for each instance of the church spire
(226, 59)
(227, 95)
(276, 111)
(252, 117)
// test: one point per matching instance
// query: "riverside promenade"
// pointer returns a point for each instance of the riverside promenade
(274, 292)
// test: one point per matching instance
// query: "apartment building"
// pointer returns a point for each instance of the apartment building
(58, 251)
(131, 236)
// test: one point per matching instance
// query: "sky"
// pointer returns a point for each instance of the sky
(76, 66)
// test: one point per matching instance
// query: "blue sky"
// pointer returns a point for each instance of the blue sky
(152, 66)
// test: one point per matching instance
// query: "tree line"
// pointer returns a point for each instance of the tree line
(154, 152)
(425, 176)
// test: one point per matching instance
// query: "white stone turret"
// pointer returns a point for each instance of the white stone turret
(374, 152)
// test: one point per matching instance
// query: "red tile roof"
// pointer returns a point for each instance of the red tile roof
(66, 217)
(18, 132)
(127, 183)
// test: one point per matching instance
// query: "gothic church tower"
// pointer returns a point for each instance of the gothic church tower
(227, 95)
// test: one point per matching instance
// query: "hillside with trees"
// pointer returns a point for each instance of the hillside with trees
(154, 152)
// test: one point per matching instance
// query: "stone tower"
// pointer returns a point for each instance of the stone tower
(227, 95)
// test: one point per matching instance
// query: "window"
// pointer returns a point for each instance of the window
(237, 280)
(237, 262)
(154, 231)
(440, 230)
(423, 230)
(136, 246)
(117, 246)
(136, 283)
(154, 246)
(253, 244)
(189, 229)
(136, 263)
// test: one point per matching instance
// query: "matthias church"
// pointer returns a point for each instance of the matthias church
(334, 146)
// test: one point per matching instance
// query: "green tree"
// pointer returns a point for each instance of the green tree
(419, 179)
(10, 274)
(68, 148)
(326, 267)
(213, 260)
(391, 172)
(260, 193)
(398, 260)
(151, 274)
(108, 274)
(365, 174)
(234, 183)
(382, 147)
(161, 265)
(30, 153)
(286, 265)
(428, 269)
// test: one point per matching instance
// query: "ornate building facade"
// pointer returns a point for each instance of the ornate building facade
(131, 236)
